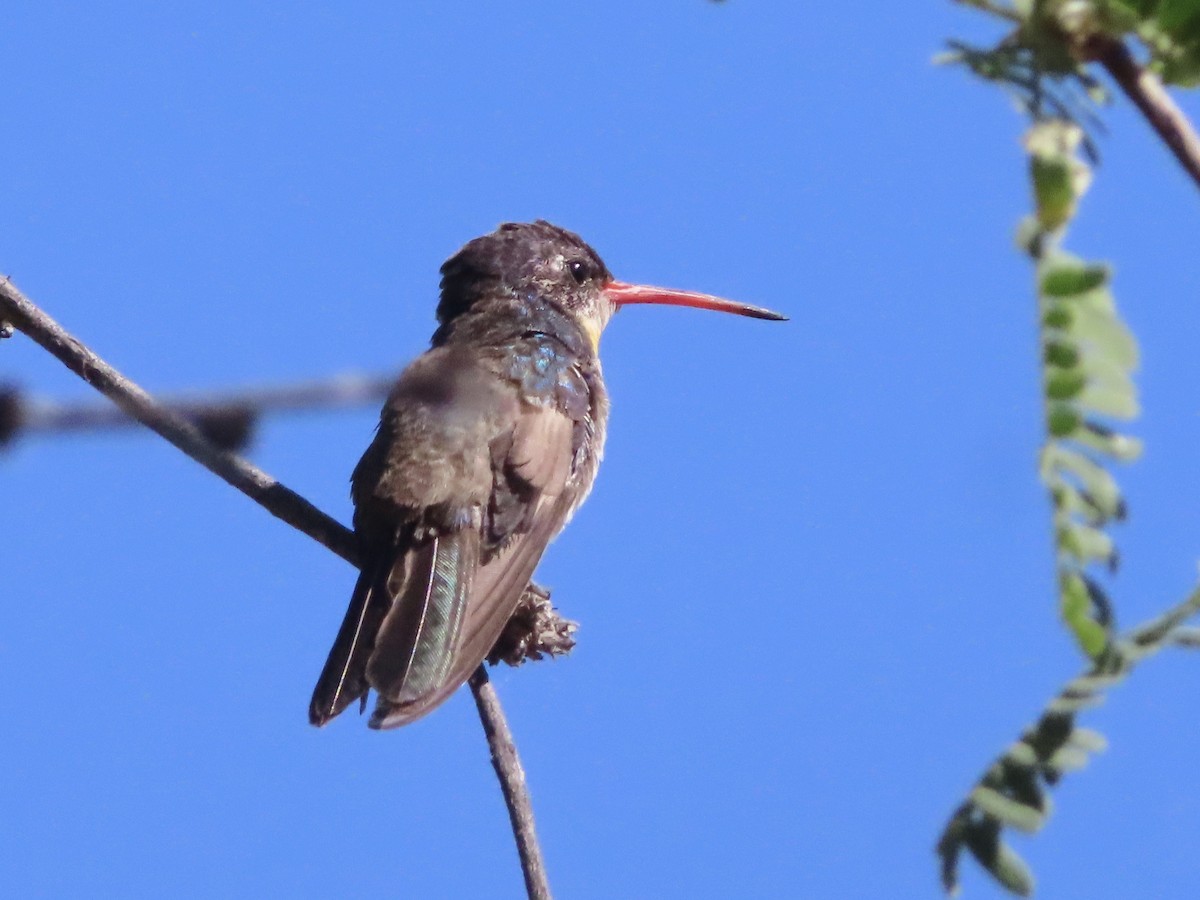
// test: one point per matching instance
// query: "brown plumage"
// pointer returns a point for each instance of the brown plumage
(486, 446)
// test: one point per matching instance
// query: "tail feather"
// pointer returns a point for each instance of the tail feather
(419, 638)
(343, 679)
(496, 587)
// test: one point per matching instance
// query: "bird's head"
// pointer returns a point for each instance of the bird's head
(543, 262)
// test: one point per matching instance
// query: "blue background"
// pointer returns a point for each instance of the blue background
(815, 578)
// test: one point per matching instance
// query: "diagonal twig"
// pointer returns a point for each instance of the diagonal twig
(22, 314)
(1149, 95)
(17, 311)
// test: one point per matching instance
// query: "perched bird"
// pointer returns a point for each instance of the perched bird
(487, 444)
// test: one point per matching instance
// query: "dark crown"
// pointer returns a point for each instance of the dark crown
(509, 258)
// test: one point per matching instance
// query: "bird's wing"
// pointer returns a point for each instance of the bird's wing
(470, 605)
(419, 486)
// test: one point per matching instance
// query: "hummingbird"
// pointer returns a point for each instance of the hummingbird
(486, 446)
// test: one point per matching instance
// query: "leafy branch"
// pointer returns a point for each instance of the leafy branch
(1088, 357)
(1012, 793)
(1045, 61)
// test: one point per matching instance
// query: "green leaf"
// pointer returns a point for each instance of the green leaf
(1171, 29)
(1053, 192)
(1069, 706)
(1093, 684)
(1076, 607)
(1113, 399)
(1059, 178)
(1099, 300)
(1064, 384)
(1070, 280)
(1022, 755)
(1057, 316)
(1067, 759)
(1119, 16)
(1104, 333)
(1104, 370)
(1096, 481)
(1120, 447)
(1008, 811)
(1089, 740)
(1012, 871)
(1062, 354)
(1085, 544)
(1070, 502)
(1063, 420)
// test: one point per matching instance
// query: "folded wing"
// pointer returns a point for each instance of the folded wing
(435, 635)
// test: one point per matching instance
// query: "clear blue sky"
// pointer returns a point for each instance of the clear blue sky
(814, 578)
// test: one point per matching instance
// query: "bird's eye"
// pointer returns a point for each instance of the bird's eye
(579, 270)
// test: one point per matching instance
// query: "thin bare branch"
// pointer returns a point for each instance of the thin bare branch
(512, 782)
(17, 311)
(256, 484)
(206, 411)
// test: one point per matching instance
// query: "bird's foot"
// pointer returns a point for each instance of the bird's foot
(534, 631)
